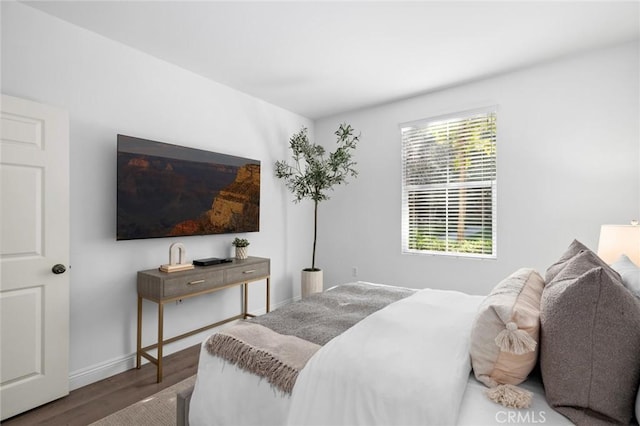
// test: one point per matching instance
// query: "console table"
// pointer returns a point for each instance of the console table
(162, 287)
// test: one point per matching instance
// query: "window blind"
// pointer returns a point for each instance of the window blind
(449, 185)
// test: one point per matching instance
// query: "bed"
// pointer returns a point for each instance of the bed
(404, 360)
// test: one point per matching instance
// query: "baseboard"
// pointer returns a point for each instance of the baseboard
(97, 372)
(104, 370)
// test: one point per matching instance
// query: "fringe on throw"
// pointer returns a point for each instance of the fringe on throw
(510, 396)
(253, 360)
(515, 341)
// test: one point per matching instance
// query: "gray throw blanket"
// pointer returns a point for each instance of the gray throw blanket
(277, 345)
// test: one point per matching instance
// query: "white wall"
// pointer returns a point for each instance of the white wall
(568, 161)
(109, 88)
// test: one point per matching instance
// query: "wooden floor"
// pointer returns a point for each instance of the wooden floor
(97, 400)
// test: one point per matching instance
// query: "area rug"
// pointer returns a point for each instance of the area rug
(158, 409)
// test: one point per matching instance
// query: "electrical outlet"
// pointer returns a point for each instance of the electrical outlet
(354, 271)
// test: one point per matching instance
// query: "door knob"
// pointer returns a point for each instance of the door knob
(58, 269)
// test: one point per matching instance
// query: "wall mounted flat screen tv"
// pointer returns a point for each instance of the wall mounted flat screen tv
(167, 190)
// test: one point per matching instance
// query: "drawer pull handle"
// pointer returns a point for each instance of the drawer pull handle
(250, 271)
(195, 282)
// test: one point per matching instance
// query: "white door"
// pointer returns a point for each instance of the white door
(34, 216)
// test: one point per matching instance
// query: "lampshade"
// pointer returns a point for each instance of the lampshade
(616, 240)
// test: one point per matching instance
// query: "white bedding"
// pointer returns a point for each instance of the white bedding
(226, 395)
(405, 364)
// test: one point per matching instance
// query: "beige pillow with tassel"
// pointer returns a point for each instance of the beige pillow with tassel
(505, 335)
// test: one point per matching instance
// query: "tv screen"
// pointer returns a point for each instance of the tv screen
(167, 190)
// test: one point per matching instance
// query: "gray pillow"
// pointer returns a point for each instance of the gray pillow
(590, 341)
(574, 248)
(629, 272)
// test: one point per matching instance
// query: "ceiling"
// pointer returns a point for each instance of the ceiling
(325, 57)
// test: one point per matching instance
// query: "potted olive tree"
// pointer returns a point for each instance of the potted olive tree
(311, 175)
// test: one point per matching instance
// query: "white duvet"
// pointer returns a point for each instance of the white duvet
(227, 395)
(406, 364)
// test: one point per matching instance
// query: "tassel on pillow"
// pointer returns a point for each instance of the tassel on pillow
(519, 342)
(515, 341)
(510, 396)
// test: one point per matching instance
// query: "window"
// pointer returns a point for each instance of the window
(449, 185)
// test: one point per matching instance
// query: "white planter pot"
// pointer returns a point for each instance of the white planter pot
(311, 282)
(242, 252)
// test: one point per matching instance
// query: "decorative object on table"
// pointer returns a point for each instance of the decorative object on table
(177, 256)
(313, 174)
(241, 245)
(616, 240)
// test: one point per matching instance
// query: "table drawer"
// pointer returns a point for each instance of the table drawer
(194, 283)
(247, 272)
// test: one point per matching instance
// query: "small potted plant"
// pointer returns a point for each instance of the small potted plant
(241, 244)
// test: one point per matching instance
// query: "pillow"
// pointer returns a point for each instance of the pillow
(629, 272)
(506, 329)
(590, 341)
(574, 248)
